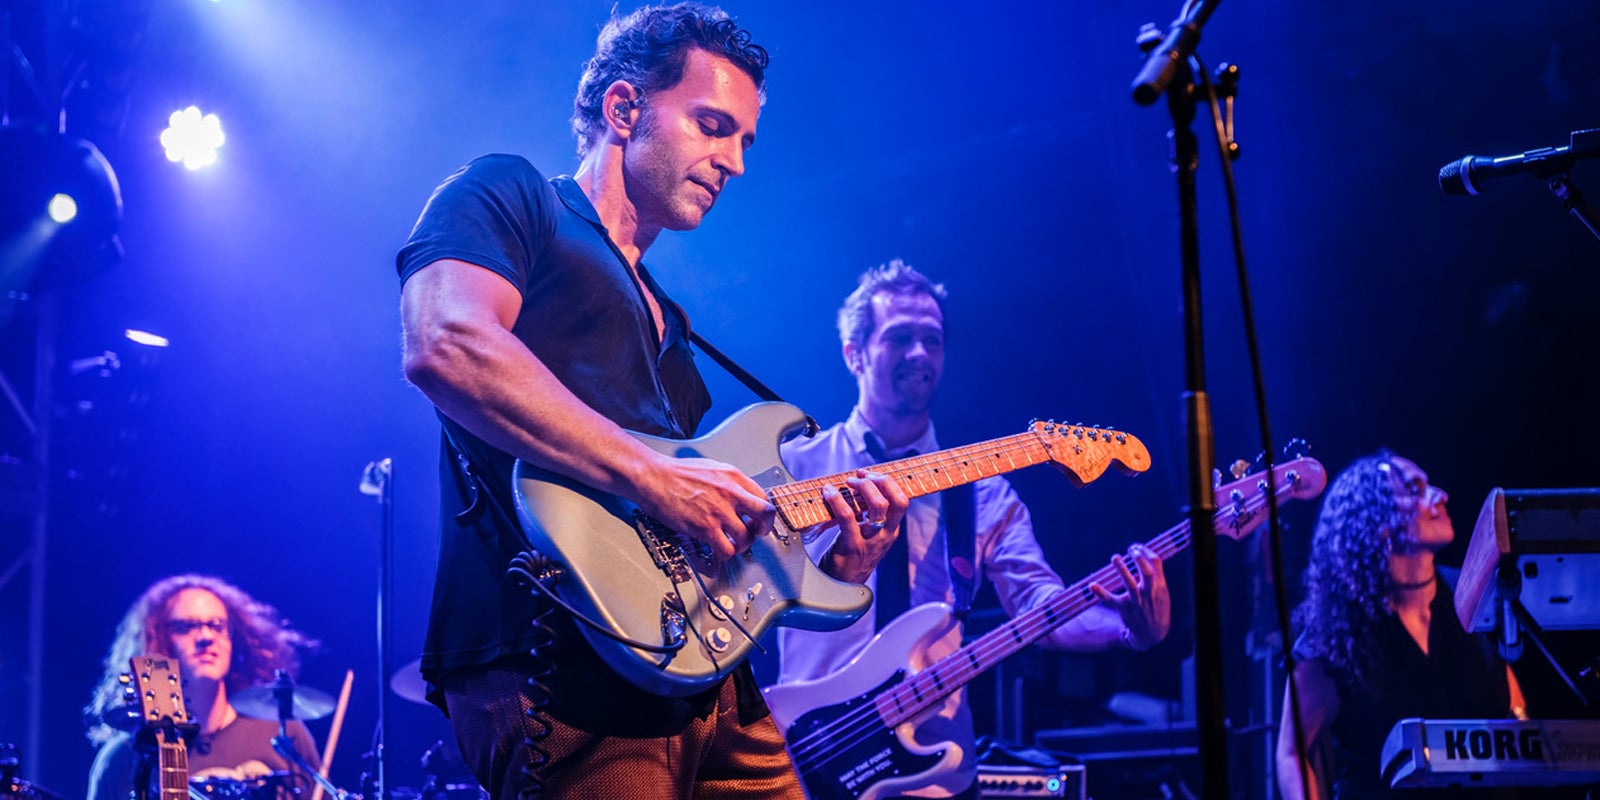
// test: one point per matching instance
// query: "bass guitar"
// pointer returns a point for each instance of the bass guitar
(851, 733)
(645, 584)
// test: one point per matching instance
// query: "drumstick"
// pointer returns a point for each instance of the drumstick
(333, 731)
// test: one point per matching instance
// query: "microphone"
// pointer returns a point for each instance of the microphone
(1465, 175)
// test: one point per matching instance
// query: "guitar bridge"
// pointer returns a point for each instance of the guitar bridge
(666, 548)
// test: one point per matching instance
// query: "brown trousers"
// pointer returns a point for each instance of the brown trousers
(712, 758)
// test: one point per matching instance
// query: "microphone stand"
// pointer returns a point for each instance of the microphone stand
(377, 480)
(1167, 70)
(283, 692)
(1572, 200)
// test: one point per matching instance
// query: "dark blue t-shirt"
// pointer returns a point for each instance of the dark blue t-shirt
(586, 319)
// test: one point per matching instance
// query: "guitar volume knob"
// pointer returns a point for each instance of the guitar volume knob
(719, 639)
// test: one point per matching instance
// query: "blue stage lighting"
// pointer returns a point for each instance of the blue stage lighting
(192, 137)
(50, 180)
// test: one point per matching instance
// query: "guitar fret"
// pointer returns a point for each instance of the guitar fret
(914, 695)
(801, 504)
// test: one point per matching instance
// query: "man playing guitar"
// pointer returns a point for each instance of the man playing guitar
(892, 327)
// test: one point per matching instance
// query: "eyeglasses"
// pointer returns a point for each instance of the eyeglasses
(184, 627)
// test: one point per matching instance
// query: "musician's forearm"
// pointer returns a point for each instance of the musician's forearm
(1289, 780)
(1098, 628)
(491, 385)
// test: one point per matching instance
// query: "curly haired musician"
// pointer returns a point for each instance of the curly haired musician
(893, 332)
(1379, 638)
(533, 325)
(224, 641)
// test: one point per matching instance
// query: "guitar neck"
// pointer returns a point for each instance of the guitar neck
(801, 502)
(923, 690)
(174, 765)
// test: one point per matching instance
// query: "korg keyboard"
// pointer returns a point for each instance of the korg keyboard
(1492, 752)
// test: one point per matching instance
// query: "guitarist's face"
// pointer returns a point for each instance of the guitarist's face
(197, 633)
(899, 367)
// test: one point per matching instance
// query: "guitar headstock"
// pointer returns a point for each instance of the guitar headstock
(1084, 452)
(158, 690)
(1242, 505)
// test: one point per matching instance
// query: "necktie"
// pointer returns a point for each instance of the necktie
(893, 594)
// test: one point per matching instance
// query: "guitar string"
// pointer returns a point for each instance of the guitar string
(1021, 445)
(1077, 595)
(868, 720)
(1070, 603)
(801, 496)
(856, 726)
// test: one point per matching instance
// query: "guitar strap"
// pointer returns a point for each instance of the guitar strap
(744, 377)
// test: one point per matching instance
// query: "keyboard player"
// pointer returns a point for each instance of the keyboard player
(1379, 640)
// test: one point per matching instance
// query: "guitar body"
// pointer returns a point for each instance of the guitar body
(651, 585)
(879, 761)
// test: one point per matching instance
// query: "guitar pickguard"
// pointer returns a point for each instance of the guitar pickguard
(832, 770)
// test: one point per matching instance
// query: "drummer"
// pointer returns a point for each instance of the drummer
(225, 642)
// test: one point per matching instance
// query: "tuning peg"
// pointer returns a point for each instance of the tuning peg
(1239, 469)
(1296, 448)
(1216, 478)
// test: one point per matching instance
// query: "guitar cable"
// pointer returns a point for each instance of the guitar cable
(528, 567)
(727, 613)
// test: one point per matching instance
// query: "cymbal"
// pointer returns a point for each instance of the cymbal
(261, 703)
(408, 683)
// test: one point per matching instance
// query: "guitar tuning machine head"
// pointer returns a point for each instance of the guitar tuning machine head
(1239, 469)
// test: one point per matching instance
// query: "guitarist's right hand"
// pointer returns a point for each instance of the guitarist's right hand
(707, 500)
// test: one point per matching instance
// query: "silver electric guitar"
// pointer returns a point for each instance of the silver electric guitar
(650, 585)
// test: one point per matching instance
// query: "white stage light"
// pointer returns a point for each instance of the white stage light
(63, 209)
(192, 138)
(145, 338)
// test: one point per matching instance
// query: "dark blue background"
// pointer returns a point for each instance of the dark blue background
(993, 145)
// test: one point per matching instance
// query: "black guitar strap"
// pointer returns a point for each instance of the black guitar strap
(744, 377)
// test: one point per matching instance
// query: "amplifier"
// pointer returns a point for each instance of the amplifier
(1007, 781)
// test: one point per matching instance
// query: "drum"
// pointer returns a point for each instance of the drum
(271, 786)
(221, 788)
(17, 789)
(454, 791)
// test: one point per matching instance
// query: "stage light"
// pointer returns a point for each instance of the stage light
(192, 137)
(60, 207)
(63, 208)
(145, 338)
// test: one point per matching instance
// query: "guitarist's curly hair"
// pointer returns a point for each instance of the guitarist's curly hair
(648, 48)
(263, 642)
(1347, 581)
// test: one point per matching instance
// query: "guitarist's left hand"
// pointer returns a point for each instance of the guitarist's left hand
(1146, 608)
(864, 536)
